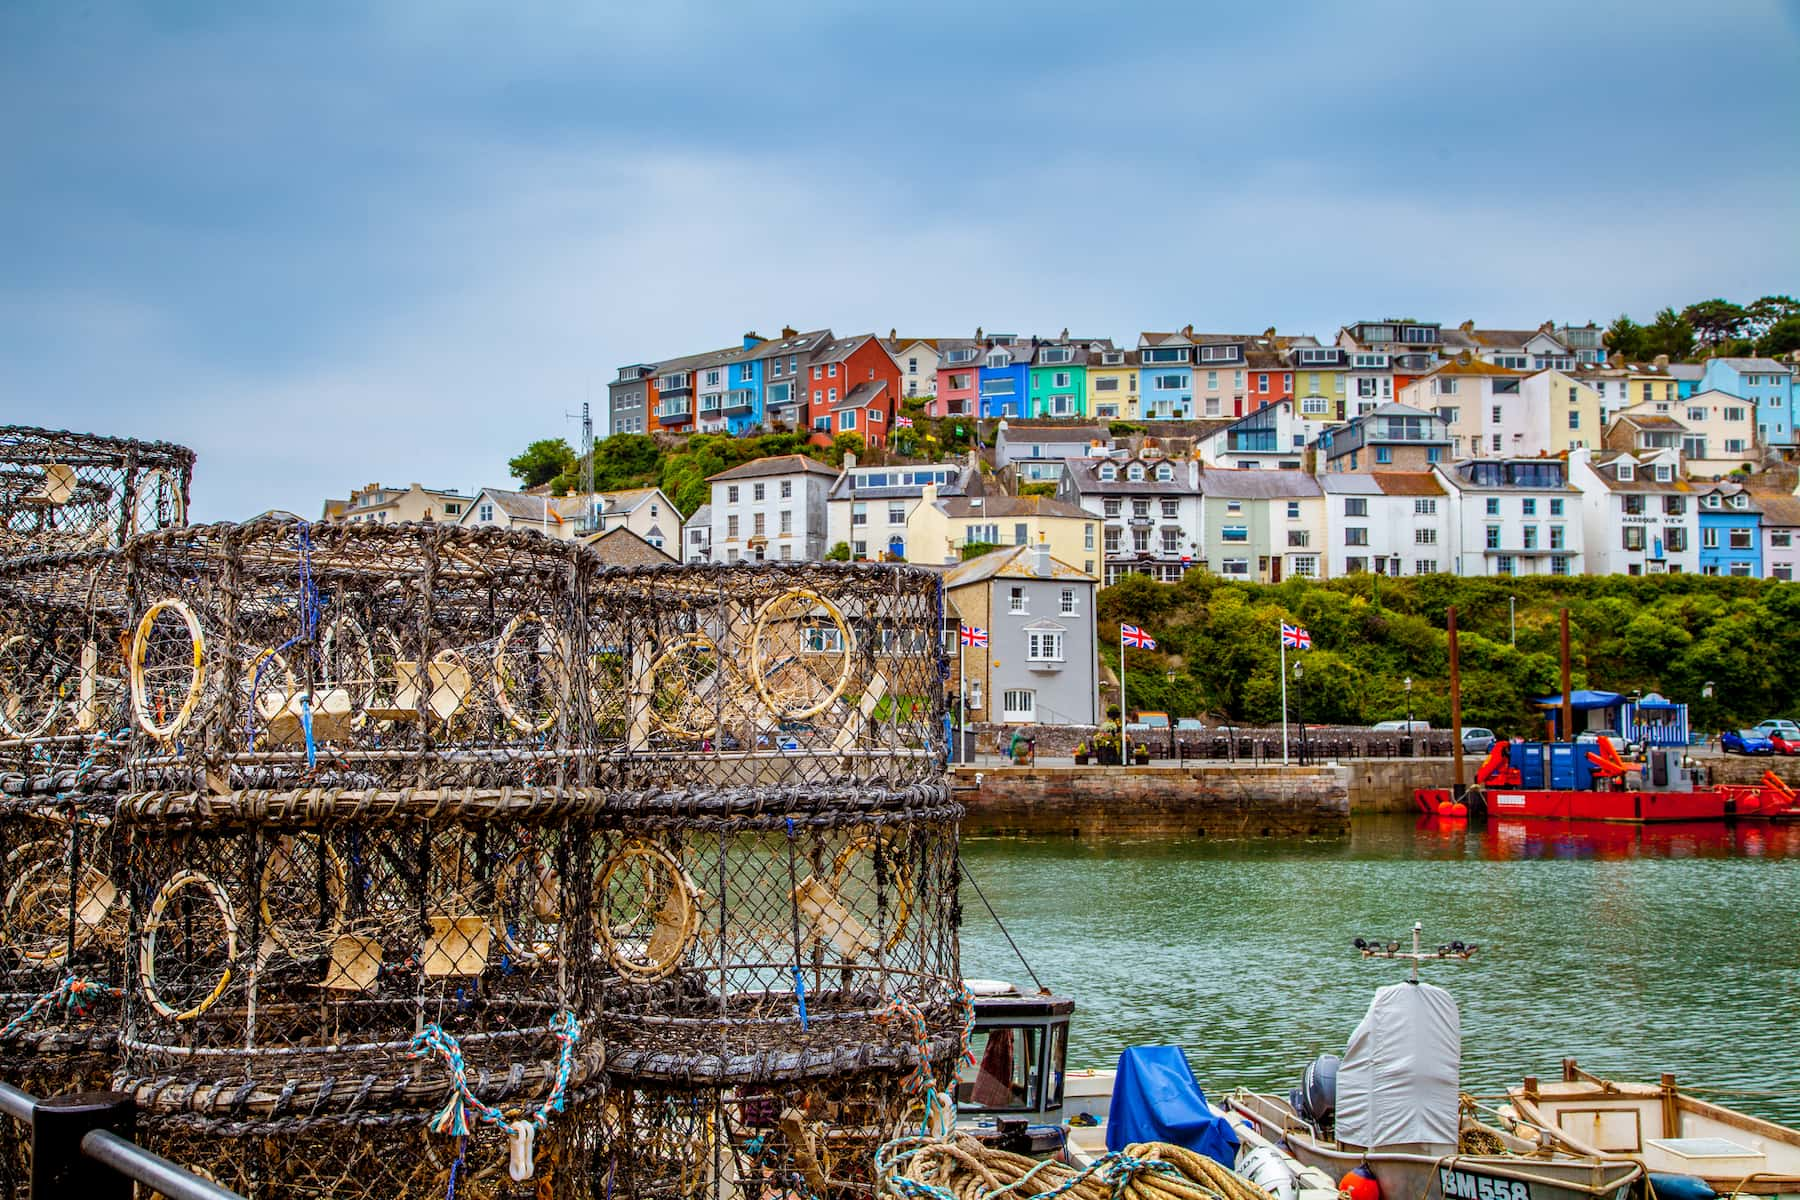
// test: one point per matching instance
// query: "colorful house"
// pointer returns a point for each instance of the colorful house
(1262, 526)
(1112, 382)
(1572, 407)
(1730, 531)
(1268, 377)
(959, 366)
(1059, 377)
(1166, 376)
(918, 359)
(1267, 437)
(1319, 381)
(1714, 433)
(1004, 378)
(1768, 385)
(1483, 405)
(1221, 374)
(851, 385)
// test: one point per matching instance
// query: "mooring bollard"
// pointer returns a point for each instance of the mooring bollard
(58, 1167)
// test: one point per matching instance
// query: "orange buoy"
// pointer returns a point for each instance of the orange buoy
(1459, 809)
(1443, 808)
(1359, 1183)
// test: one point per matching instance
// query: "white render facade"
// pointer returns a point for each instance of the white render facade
(1149, 508)
(1514, 517)
(1389, 523)
(1638, 516)
(773, 509)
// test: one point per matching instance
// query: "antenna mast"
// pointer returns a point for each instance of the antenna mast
(587, 448)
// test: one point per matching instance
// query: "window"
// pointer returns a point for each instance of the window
(1556, 506)
(1059, 379)
(1299, 537)
(1736, 445)
(1782, 571)
(1170, 509)
(1087, 536)
(1528, 506)
(975, 693)
(731, 525)
(1293, 510)
(1674, 538)
(1044, 647)
(1015, 600)
(1740, 568)
(1164, 473)
(1734, 414)
(1365, 388)
(1168, 383)
(1493, 537)
(485, 513)
(1556, 537)
(1356, 506)
(1112, 506)
(1493, 506)
(1262, 381)
(731, 494)
(1424, 566)
(1068, 602)
(1425, 507)
(1235, 533)
(1019, 704)
(1664, 472)
(1781, 537)
(1574, 419)
(1112, 541)
(1384, 454)
(1108, 473)
(1503, 564)
(1356, 565)
(1495, 443)
(787, 489)
(758, 524)
(1106, 384)
(1627, 472)
(1740, 539)
(757, 491)
(1140, 541)
(1559, 564)
(1530, 532)
(1446, 387)
(859, 513)
(1234, 507)
(896, 512)
(1306, 566)
(1356, 535)
(1709, 539)
(1235, 566)
(847, 419)
(1135, 472)
(1424, 537)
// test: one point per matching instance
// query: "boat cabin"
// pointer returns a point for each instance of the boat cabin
(1020, 1046)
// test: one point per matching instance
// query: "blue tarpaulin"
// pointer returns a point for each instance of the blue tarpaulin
(1582, 700)
(1157, 1099)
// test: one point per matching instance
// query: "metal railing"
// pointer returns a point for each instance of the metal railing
(81, 1145)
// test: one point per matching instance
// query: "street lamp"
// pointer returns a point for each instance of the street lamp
(1407, 684)
(1299, 715)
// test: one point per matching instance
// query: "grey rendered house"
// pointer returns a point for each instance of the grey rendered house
(1039, 663)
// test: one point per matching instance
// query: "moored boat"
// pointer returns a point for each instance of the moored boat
(1675, 1134)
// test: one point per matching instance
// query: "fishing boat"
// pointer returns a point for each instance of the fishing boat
(1679, 1137)
(1580, 781)
(1390, 1111)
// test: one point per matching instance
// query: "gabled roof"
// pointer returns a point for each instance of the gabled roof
(702, 516)
(1231, 484)
(1648, 420)
(781, 464)
(1084, 434)
(839, 349)
(1350, 483)
(1475, 367)
(620, 547)
(1408, 483)
(1084, 476)
(519, 506)
(1688, 371)
(1606, 467)
(1015, 563)
(1002, 506)
(1757, 364)
(1778, 507)
(863, 394)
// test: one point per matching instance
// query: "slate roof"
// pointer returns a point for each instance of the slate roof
(1056, 433)
(1007, 564)
(838, 350)
(1084, 476)
(1757, 364)
(1257, 485)
(1778, 508)
(781, 464)
(862, 394)
(1350, 483)
(1649, 420)
(520, 506)
(1606, 466)
(620, 547)
(1475, 367)
(1001, 506)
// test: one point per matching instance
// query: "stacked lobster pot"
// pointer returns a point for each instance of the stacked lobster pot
(62, 938)
(777, 878)
(358, 853)
(82, 491)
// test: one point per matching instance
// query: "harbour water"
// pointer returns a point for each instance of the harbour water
(1635, 950)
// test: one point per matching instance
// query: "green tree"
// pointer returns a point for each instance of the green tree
(1782, 337)
(838, 553)
(1625, 337)
(542, 462)
(1714, 321)
(1764, 314)
(846, 443)
(1669, 334)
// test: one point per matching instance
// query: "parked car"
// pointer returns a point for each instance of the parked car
(1148, 719)
(1745, 741)
(1477, 740)
(1191, 725)
(1783, 745)
(1401, 727)
(1591, 737)
(1786, 729)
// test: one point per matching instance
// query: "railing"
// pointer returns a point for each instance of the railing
(81, 1145)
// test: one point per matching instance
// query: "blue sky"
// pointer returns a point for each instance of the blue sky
(327, 243)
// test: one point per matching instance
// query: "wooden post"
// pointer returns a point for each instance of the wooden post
(1671, 1111)
(1566, 728)
(1456, 749)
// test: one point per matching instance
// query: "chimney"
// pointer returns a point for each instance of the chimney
(1269, 333)
(893, 335)
(849, 460)
(978, 333)
(1662, 362)
(1065, 333)
(1187, 330)
(1040, 558)
(752, 339)
(928, 495)
(1465, 358)
(1547, 327)
(1468, 326)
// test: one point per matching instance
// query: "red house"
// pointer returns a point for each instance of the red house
(852, 386)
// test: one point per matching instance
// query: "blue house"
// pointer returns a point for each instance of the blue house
(1730, 532)
(744, 397)
(1166, 380)
(1004, 381)
(1687, 378)
(1765, 382)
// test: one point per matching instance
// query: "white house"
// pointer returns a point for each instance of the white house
(696, 536)
(1039, 451)
(1514, 517)
(1639, 516)
(1150, 509)
(771, 509)
(1273, 437)
(647, 512)
(868, 508)
(918, 359)
(1389, 523)
(517, 510)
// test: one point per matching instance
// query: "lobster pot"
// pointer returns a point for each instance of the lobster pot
(63, 708)
(791, 946)
(766, 676)
(80, 491)
(380, 1158)
(279, 654)
(286, 948)
(816, 1138)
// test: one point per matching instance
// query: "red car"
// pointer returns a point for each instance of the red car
(1782, 745)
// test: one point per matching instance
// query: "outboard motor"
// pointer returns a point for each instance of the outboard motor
(1315, 1100)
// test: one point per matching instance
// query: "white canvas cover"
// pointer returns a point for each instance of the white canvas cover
(1397, 1084)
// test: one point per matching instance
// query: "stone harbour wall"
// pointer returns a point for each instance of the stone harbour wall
(1221, 801)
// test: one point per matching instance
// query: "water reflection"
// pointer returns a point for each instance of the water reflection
(1637, 950)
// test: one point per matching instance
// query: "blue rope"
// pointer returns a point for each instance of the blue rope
(310, 607)
(800, 995)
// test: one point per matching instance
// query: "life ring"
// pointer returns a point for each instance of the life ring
(668, 905)
(285, 866)
(818, 689)
(176, 884)
(899, 878)
(676, 706)
(16, 719)
(165, 729)
(554, 655)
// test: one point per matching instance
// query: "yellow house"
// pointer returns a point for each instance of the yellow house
(1112, 385)
(1573, 407)
(377, 505)
(1718, 434)
(937, 529)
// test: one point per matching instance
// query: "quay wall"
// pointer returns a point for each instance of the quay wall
(1209, 801)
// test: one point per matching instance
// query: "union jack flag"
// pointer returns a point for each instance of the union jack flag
(1131, 635)
(903, 423)
(974, 635)
(1293, 635)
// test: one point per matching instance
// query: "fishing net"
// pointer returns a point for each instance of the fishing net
(64, 491)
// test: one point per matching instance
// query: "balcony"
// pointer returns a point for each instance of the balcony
(681, 416)
(740, 400)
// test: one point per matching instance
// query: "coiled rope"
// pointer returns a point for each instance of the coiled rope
(961, 1168)
(75, 994)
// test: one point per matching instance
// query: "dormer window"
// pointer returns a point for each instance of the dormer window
(1135, 472)
(1108, 473)
(1663, 473)
(1165, 473)
(999, 358)
(1113, 358)
(1627, 472)
(1227, 353)
(1740, 501)
(1058, 354)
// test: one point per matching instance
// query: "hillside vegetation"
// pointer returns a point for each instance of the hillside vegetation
(1216, 650)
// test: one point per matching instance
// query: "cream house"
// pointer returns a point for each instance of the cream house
(647, 512)
(1571, 406)
(1262, 526)
(1485, 408)
(517, 510)
(379, 505)
(1718, 432)
(940, 527)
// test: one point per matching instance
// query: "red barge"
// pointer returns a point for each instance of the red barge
(1564, 781)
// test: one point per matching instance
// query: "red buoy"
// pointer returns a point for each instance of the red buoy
(1443, 808)
(1359, 1184)
(1459, 809)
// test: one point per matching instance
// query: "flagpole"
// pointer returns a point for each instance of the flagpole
(1282, 643)
(962, 695)
(1123, 756)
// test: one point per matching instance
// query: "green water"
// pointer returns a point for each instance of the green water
(1636, 951)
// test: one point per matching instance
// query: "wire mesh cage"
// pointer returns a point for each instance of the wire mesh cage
(803, 675)
(63, 491)
(278, 654)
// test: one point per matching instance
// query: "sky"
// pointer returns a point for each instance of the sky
(327, 244)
